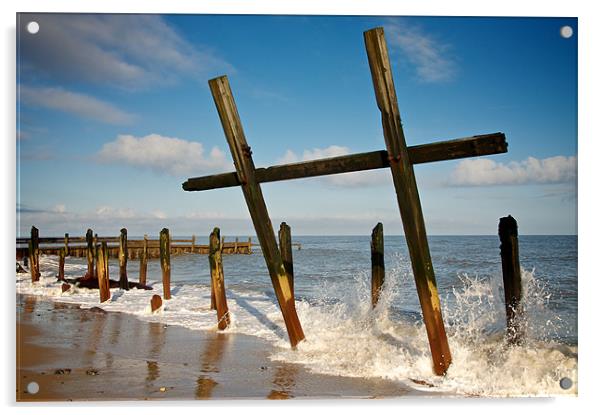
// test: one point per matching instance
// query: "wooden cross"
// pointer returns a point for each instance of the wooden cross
(398, 157)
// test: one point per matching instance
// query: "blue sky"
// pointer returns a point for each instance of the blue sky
(114, 113)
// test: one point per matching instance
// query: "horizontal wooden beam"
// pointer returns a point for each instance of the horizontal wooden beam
(479, 145)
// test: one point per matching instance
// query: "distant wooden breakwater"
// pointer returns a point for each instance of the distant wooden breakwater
(78, 246)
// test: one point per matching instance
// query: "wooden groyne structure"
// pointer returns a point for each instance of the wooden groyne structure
(77, 246)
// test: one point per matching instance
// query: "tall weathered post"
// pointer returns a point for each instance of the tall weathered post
(165, 253)
(90, 253)
(123, 259)
(95, 250)
(508, 233)
(144, 261)
(245, 169)
(103, 272)
(217, 280)
(61, 276)
(408, 200)
(34, 254)
(377, 249)
(66, 244)
(286, 251)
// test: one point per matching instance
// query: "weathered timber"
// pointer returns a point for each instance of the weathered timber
(155, 303)
(102, 264)
(217, 280)
(66, 244)
(286, 252)
(34, 254)
(478, 145)
(193, 242)
(508, 233)
(407, 197)
(377, 249)
(165, 262)
(95, 250)
(61, 275)
(123, 259)
(90, 253)
(245, 170)
(143, 261)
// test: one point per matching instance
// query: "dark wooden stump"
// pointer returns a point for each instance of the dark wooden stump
(377, 248)
(217, 279)
(165, 253)
(62, 265)
(90, 253)
(34, 254)
(143, 261)
(286, 251)
(156, 303)
(123, 260)
(508, 233)
(103, 273)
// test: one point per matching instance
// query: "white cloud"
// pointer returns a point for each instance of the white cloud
(60, 208)
(129, 51)
(485, 172)
(429, 56)
(353, 179)
(73, 103)
(162, 154)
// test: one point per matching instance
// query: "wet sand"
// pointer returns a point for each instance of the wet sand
(81, 355)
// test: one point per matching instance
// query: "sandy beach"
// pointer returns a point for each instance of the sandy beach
(82, 355)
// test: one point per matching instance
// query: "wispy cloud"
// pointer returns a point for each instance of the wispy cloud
(486, 172)
(75, 103)
(430, 57)
(354, 179)
(171, 155)
(128, 51)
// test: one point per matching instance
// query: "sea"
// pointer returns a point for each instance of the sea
(346, 336)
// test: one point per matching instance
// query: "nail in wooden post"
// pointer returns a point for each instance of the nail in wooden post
(286, 251)
(90, 253)
(217, 280)
(143, 261)
(407, 198)
(164, 253)
(103, 272)
(377, 248)
(66, 244)
(245, 169)
(62, 264)
(34, 254)
(123, 260)
(508, 233)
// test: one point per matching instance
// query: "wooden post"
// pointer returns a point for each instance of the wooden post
(34, 254)
(193, 243)
(235, 245)
(103, 273)
(90, 253)
(66, 244)
(62, 264)
(508, 233)
(95, 250)
(407, 198)
(123, 260)
(164, 253)
(250, 246)
(377, 248)
(144, 261)
(286, 252)
(245, 169)
(217, 280)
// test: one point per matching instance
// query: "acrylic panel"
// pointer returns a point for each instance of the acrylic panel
(285, 207)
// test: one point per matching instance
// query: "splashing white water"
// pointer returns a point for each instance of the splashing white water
(346, 336)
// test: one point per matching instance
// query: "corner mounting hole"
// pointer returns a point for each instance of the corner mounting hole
(566, 383)
(33, 27)
(33, 388)
(566, 31)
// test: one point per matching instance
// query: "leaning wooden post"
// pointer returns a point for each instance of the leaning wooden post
(245, 170)
(34, 254)
(143, 261)
(217, 280)
(90, 253)
(103, 272)
(164, 253)
(508, 233)
(123, 260)
(61, 264)
(377, 248)
(286, 251)
(407, 198)
(66, 244)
